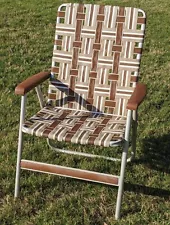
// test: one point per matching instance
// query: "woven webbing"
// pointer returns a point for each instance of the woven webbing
(76, 126)
(96, 57)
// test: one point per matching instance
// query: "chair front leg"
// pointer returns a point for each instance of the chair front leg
(20, 145)
(123, 165)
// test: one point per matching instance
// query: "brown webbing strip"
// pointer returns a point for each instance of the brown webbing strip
(97, 131)
(76, 127)
(98, 33)
(75, 53)
(115, 69)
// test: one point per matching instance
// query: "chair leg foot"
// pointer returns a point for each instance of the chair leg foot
(18, 167)
(121, 184)
(118, 206)
(16, 195)
(131, 158)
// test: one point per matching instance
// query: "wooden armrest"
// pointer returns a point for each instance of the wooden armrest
(137, 97)
(31, 82)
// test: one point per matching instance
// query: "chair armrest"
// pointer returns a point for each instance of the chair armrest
(137, 97)
(31, 82)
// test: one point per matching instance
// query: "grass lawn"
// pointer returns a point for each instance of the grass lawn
(26, 43)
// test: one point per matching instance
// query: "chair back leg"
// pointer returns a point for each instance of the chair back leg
(134, 133)
(20, 145)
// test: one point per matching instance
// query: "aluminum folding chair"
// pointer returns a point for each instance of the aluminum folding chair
(93, 93)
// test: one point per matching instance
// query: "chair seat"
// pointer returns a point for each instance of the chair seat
(74, 126)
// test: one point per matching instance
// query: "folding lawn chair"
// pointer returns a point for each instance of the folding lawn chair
(93, 93)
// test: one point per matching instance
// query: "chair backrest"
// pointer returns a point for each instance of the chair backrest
(96, 57)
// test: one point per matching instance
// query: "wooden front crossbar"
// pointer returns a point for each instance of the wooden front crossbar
(70, 172)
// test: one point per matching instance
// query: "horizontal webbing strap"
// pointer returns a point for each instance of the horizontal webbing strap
(70, 172)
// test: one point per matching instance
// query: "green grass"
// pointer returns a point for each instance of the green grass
(26, 36)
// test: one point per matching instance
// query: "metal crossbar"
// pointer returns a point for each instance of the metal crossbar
(72, 152)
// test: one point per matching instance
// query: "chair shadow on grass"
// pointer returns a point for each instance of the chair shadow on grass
(142, 189)
(156, 153)
(145, 190)
(156, 156)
